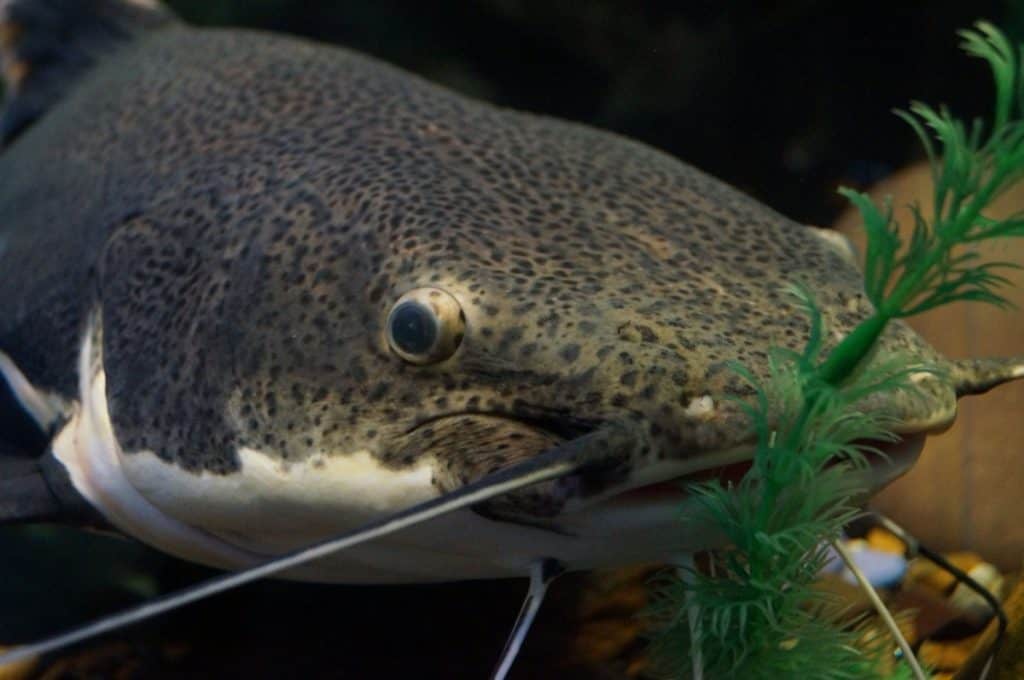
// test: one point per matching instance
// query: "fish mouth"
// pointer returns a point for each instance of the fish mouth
(637, 483)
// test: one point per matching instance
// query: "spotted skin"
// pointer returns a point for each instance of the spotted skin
(243, 209)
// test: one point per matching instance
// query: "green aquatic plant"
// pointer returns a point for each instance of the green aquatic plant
(751, 611)
(756, 614)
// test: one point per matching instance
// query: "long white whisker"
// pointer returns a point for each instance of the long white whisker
(542, 573)
(883, 611)
(558, 462)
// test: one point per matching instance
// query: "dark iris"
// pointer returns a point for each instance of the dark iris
(413, 328)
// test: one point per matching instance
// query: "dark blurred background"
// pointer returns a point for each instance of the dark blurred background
(787, 100)
(783, 99)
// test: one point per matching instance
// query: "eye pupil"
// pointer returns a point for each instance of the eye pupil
(413, 328)
(425, 326)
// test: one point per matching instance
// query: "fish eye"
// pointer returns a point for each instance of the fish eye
(426, 325)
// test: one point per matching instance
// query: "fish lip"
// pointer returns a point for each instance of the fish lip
(886, 461)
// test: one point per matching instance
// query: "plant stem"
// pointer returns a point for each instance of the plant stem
(848, 354)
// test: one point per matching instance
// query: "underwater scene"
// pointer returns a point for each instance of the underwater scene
(616, 339)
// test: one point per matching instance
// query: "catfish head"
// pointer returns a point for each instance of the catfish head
(274, 290)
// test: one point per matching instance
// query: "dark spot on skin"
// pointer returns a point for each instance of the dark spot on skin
(569, 353)
(378, 391)
(646, 334)
(509, 338)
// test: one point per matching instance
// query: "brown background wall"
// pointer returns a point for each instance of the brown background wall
(967, 490)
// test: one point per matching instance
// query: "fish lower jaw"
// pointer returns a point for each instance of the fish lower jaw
(645, 503)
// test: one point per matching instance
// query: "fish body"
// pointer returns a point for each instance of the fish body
(262, 291)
